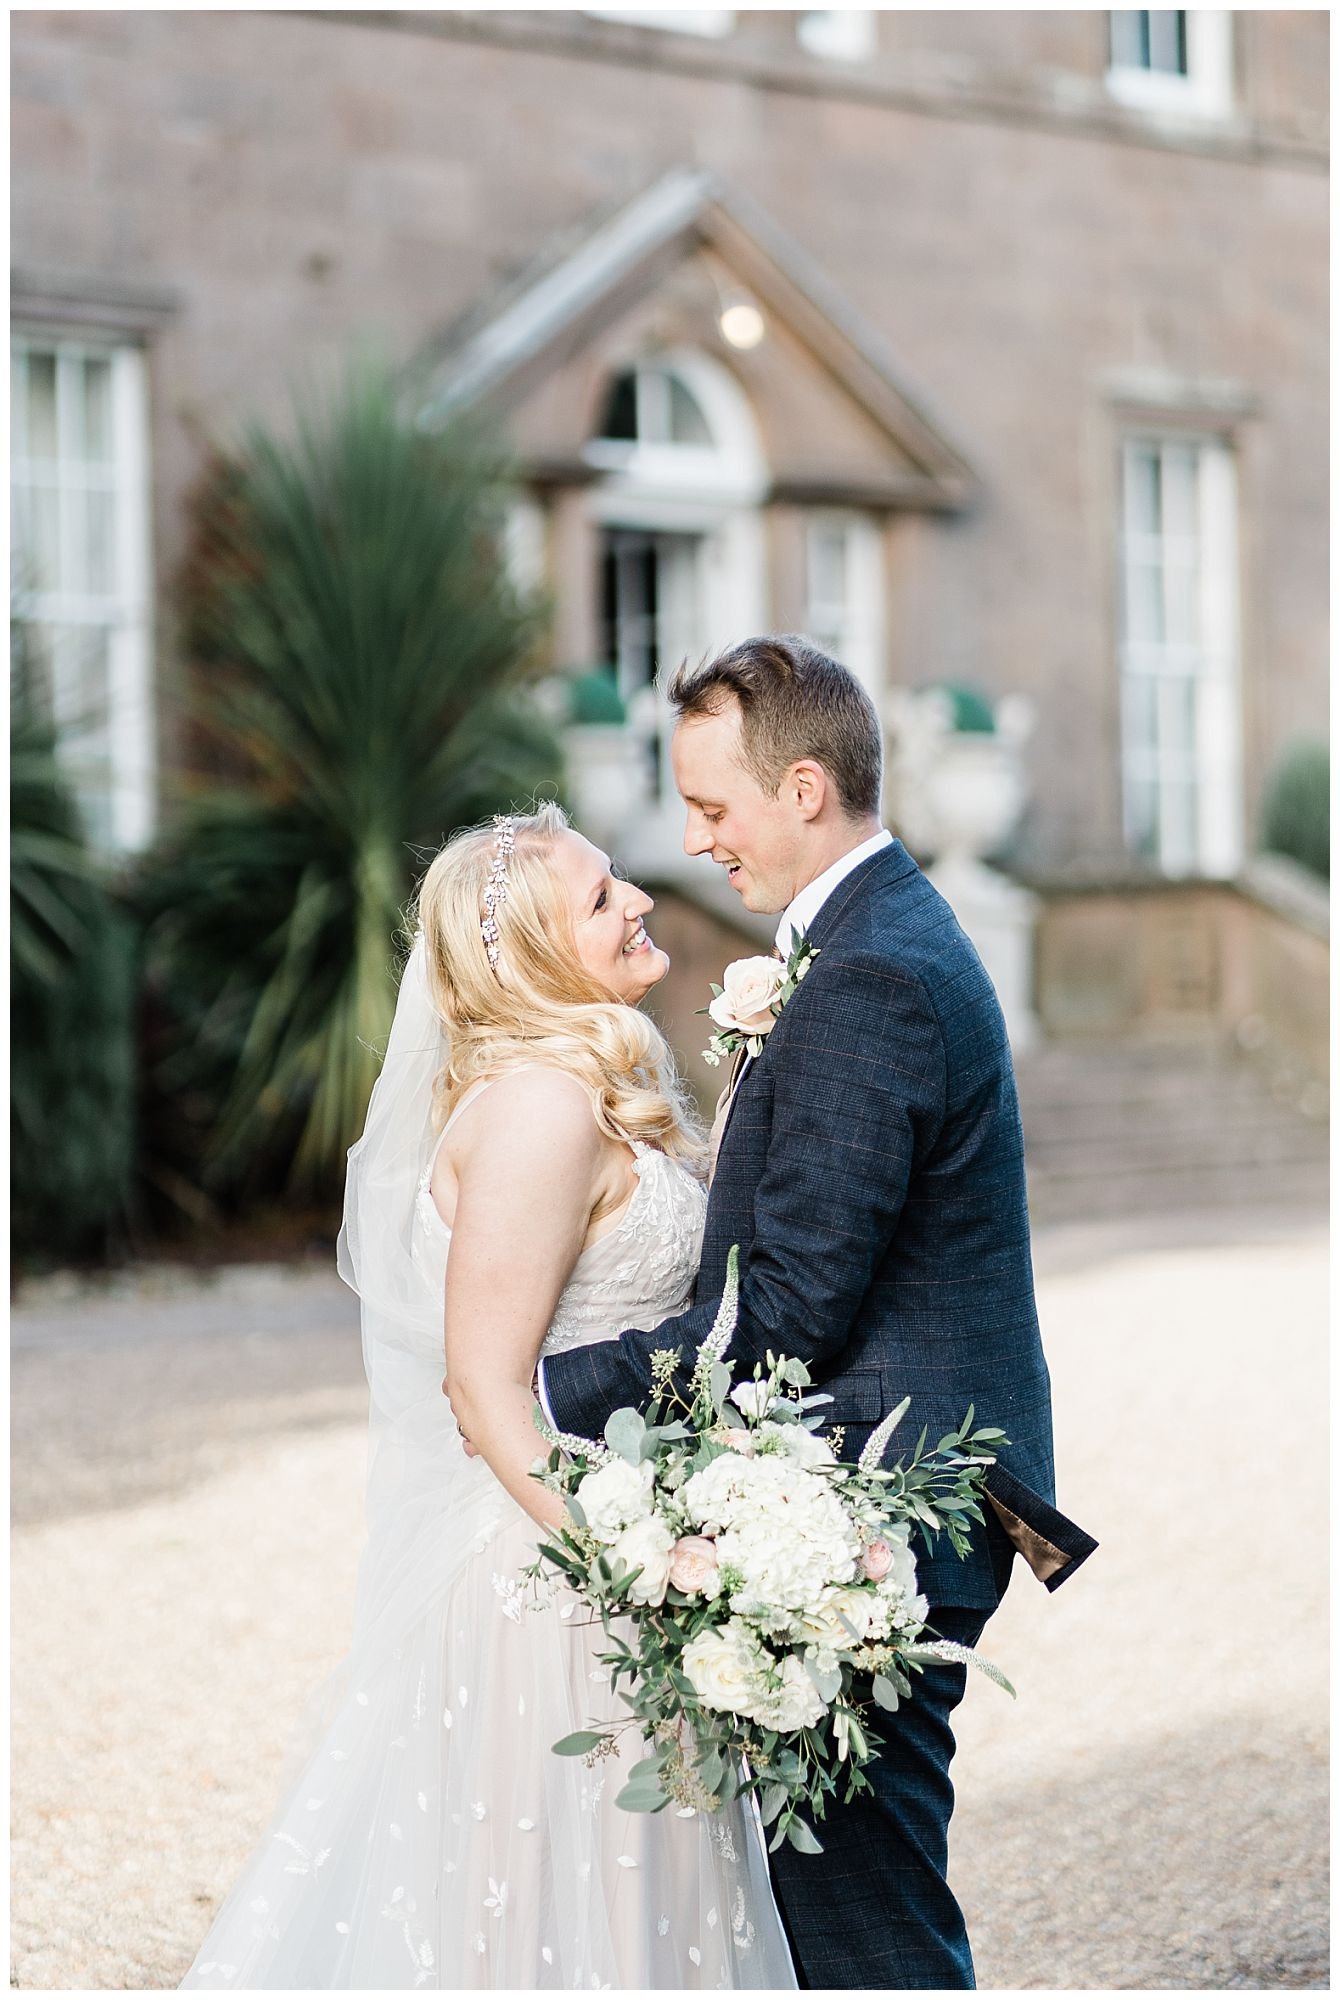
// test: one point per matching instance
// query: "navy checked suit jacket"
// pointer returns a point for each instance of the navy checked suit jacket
(872, 1173)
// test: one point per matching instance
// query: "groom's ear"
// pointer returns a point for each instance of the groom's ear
(806, 786)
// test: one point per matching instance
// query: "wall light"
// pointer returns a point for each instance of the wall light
(741, 323)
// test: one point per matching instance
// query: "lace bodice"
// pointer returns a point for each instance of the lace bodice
(638, 1273)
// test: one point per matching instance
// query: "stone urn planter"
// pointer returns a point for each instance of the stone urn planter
(958, 788)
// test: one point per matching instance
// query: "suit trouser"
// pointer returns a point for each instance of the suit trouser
(875, 1910)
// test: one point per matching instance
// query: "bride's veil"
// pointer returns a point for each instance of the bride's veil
(375, 1252)
(418, 1475)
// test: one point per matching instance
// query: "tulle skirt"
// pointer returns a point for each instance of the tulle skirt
(433, 1839)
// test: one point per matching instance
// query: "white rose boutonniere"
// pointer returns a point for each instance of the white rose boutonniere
(752, 994)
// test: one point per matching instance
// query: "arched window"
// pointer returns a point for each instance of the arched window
(652, 405)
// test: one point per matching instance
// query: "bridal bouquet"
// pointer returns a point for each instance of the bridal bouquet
(758, 1595)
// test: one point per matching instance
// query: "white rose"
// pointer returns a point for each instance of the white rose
(797, 1704)
(802, 1447)
(751, 1397)
(726, 1668)
(614, 1496)
(647, 1546)
(901, 1575)
(748, 988)
(822, 1626)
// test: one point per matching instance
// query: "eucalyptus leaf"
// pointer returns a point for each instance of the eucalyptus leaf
(710, 1768)
(641, 1796)
(578, 1744)
(802, 1839)
(774, 1798)
(886, 1694)
(827, 1680)
(624, 1433)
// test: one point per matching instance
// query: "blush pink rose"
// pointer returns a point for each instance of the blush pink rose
(748, 988)
(876, 1560)
(693, 1564)
(741, 1441)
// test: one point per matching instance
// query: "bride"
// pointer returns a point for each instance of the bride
(528, 1179)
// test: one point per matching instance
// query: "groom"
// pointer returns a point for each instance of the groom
(871, 1169)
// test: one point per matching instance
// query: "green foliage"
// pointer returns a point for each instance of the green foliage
(73, 969)
(595, 698)
(1296, 819)
(974, 714)
(361, 654)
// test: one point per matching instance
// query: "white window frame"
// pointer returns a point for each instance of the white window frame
(851, 627)
(838, 34)
(1210, 662)
(127, 779)
(731, 470)
(710, 21)
(1206, 91)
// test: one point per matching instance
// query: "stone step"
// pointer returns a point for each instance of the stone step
(1175, 1149)
(1050, 1124)
(1140, 1127)
(1169, 1079)
(1068, 1197)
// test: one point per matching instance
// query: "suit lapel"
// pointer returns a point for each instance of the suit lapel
(889, 865)
(725, 1104)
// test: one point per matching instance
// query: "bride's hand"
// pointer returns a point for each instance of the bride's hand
(471, 1451)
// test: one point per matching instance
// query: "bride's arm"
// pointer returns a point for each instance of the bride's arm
(526, 1189)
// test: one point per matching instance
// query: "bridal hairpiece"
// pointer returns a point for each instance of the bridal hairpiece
(496, 893)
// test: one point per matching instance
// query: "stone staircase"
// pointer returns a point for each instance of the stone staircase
(1151, 1127)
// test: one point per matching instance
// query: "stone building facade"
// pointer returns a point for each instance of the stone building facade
(991, 348)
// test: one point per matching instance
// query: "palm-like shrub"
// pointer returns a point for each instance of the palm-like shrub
(1296, 819)
(361, 651)
(72, 977)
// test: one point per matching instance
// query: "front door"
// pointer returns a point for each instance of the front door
(651, 620)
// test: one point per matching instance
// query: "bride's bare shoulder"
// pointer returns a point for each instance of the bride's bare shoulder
(542, 1108)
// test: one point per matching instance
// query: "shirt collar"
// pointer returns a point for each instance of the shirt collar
(800, 913)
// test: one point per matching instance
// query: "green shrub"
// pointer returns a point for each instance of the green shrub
(360, 653)
(973, 711)
(595, 697)
(1296, 819)
(73, 960)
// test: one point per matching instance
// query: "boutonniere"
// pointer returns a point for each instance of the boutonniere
(752, 994)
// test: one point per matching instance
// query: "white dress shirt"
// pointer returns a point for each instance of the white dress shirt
(801, 911)
(798, 915)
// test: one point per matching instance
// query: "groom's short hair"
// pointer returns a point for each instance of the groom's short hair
(795, 701)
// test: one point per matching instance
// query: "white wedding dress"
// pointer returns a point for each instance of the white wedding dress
(432, 1838)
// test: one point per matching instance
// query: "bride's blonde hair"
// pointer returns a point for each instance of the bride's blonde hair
(540, 1004)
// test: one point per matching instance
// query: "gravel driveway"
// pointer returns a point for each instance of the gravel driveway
(1151, 1813)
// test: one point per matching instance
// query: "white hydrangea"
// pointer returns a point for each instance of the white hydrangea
(797, 1704)
(715, 1495)
(616, 1495)
(780, 1528)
